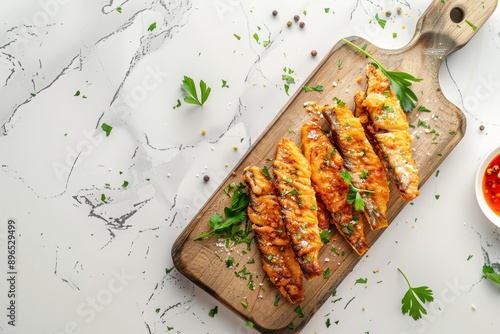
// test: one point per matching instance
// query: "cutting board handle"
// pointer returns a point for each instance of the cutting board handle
(447, 25)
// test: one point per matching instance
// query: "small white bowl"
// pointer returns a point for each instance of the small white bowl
(488, 212)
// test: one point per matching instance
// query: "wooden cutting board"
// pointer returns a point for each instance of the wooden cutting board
(442, 29)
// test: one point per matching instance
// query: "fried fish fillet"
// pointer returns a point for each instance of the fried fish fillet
(276, 253)
(298, 202)
(326, 165)
(363, 164)
(323, 214)
(391, 133)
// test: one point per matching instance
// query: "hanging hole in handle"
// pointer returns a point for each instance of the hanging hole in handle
(457, 14)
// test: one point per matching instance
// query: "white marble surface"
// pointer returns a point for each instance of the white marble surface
(85, 265)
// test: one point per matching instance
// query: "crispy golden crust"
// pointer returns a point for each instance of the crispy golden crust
(276, 253)
(298, 202)
(326, 164)
(391, 133)
(323, 214)
(365, 167)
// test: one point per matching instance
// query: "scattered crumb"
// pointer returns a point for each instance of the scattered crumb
(473, 306)
(235, 147)
(203, 132)
(359, 79)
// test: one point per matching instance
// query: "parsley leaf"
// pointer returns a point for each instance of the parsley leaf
(106, 128)
(152, 26)
(361, 281)
(318, 88)
(490, 273)
(339, 102)
(213, 312)
(190, 88)
(277, 299)
(266, 173)
(380, 21)
(325, 236)
(411, 302)
(326, 273)
(400, 81)
(298, 310)
(354, 194)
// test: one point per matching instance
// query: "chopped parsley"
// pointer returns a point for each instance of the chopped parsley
(361, 281)
(106, 128)
(152, 26)
(326, 273)
(471, 25)
(381, 22)
(277, 299)
(325, 236)
(298, 310)
(213, 312)
(339, 102)
(256, 37)
(266, 173)
(317, 88)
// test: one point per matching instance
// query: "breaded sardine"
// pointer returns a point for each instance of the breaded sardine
(391, 133)
(298, 202)
(276, 253)
(363, 164)
(326, 165)
(324, 216)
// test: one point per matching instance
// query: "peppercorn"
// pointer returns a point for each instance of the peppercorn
(206, 178)
(289, 24)
(275, 12)
(314, 53)
(399, 10)
(296, 18)
(302, 24)
(481, 127)
(388, 13)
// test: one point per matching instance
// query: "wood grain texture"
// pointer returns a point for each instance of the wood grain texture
(436, 36)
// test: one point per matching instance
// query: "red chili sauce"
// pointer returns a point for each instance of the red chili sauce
(491, 185)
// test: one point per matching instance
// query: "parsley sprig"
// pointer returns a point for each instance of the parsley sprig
(354, 194)
(400, 81)
(228, 226)
(413, 297)
(490, 273)
(189, 87)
